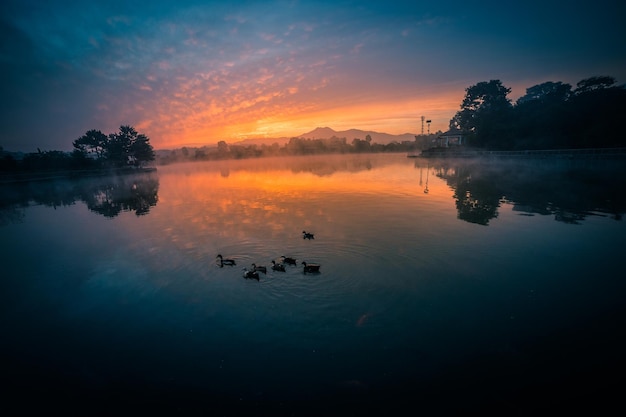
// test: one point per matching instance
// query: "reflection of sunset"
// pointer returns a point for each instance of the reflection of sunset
(396, 179)
(236, 199)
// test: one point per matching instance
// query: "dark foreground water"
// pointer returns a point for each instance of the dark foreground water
(446, 287)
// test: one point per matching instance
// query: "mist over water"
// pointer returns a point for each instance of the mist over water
(456, 285)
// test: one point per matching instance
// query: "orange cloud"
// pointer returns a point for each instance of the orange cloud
(280, 98)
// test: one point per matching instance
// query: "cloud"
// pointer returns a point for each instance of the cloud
(202, 70)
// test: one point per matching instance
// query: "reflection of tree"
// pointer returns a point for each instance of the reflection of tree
(477, 198)
(567, 217)
(474, 207)
(108, 195)
(132, 193)
(569, 190)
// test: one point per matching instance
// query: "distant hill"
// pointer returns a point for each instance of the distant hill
(377, 137)
(327, 133)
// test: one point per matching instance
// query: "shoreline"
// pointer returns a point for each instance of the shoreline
(29, 176)
(583, 153)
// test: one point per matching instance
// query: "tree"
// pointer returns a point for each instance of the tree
(596, 111)
(222, 149)
(360, 145)
(141, 151)
(547, 92)
(594, 84)
(128, 147)
(485, 114)
(540, 116)
(118, 149)
(92, 142)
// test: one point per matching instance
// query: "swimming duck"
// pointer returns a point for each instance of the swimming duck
(226, 261)
(278, 267)
(289, 261)
(250, 274)
(310, 267)
(307, 235)
(259, 268)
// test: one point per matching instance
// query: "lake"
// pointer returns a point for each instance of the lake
(445, 287)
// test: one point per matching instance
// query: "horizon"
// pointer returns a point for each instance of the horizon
(244, 141)
(196, 73)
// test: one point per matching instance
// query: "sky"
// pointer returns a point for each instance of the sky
(192, 73)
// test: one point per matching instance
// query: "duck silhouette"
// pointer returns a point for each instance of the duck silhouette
(288, 261)
(308, 267)
(307, 235)
(278, 267)
(250, 274)
(223, 261)
(256, 268)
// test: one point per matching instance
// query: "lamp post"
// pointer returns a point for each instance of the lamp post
(428, 121)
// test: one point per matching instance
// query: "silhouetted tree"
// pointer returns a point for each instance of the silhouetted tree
(541, 115)
(550, 115)
(128, 147)
(547, 92)
(81, 160)
(46, 161)
(93, 142)
(596, 112)
(486, 114)
(140, 150)
(594, 83)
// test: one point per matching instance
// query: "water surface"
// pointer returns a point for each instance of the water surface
(446, 286)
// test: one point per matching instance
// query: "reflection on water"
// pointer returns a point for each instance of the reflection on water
(569, 190)
(108, 196)
(416, 301)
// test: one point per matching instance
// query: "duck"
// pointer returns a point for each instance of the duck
(289, 261)
(259, 268)
(223, 261)
(278, 267)
(308, 267)
(307, 235)
(250, 274)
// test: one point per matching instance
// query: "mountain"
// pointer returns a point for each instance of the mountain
(377, 137)
(327, 133)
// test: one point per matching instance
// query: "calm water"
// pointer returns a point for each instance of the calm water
(445, 287)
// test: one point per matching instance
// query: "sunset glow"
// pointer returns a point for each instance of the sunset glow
(292, 121)
(290, 193)
(200, 72)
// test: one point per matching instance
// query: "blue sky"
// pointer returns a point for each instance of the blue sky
(188, 73)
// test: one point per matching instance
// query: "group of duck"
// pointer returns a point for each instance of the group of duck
(280, 267)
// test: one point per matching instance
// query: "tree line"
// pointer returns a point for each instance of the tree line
(550, 115)
(93, 150)
(295, 146)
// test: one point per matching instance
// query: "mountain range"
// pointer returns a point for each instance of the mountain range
(327, 133)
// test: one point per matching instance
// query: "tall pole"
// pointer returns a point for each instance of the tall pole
(422, 125)
(428, 121)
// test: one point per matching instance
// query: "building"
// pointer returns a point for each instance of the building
(453, 137)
